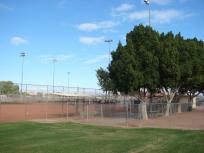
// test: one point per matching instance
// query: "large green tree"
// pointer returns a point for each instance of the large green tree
(8, 87)
(152, 62)
(104, 80)
(134, 67)
(122, 69)
(193, 81)
(169, 68)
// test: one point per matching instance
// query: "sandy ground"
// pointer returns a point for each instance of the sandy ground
(189, 120)
(32, 111)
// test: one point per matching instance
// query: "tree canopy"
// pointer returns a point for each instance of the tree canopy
(8, 87)
(104, 80)
(153, 61)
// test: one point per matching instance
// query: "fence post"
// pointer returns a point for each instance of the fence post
(46, 108)
(83, 110)
(67, 110)
(162, 109)
(130, 109)
(126, 112)
(62, 107)
(26, 103)
(87, 111)
(179, 107)
(140, 110)
(102, 111)
(23, 101)
(111, 113)
(63, 100)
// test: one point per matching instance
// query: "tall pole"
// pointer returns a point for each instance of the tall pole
(68, 73)
(109, 44)
(149, 16)
(147, 2)
(54, 61)
(22, 54)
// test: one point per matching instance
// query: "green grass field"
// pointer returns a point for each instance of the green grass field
(30, 137)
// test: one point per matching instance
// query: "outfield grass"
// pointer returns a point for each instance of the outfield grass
(30, 137)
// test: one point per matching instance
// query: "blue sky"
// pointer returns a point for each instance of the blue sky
(73, 32)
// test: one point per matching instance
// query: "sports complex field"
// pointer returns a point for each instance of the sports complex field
(29, 137)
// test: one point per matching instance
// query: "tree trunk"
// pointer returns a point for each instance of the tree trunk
(168, 106)
(106, 97)
(144, 111)
(143, 105)
(169, 98)
(194, 103)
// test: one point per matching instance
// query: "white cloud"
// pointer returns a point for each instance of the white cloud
(16, 40)
(107, 24)
(91, 40)
(123, 7)
(161, 2)
(138, 15)
(103, 25)
(88, 26)
(97, 59)
(48, 58)
(4, 7)
(121, 11)
(166, 16)
(159, 16)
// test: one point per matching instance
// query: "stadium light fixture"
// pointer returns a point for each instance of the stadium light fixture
(22, 54)
(147, 2)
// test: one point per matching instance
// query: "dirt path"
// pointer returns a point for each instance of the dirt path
(188, 120)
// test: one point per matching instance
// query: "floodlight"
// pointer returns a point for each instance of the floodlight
(147, 2)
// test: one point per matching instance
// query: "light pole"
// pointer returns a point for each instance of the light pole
(54, 61)
(109, 41)
(22, 54)
(68, 73)
(147, 2)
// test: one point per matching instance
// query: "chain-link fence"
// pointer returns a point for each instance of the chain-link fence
(42, 102)
(32, 89)
(74, 110)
